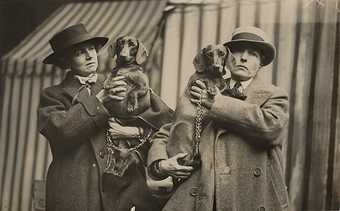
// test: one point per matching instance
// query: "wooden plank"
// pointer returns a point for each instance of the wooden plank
(209, 25)
(322, 108)
(228, 22)
(171, 59)
(266, 23)
(297, 80)
(191, 41)
(285, 44)
(334, 184)
(247, 13)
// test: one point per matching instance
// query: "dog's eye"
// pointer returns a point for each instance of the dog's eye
(221, 53)
(210, 54)
(131, 43)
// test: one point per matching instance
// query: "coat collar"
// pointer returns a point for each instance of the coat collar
(258, 91)
(71, 84)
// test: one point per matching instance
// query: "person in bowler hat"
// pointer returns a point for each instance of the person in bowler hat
(74, 116)
(240, 151)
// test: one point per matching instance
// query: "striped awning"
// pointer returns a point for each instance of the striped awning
(138, 18)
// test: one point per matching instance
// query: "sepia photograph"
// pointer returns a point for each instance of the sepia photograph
(169, 105)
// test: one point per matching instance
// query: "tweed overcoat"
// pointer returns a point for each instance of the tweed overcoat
(74, 123)
(241, 155)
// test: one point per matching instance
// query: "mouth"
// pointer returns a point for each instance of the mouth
(241, 67)
(90, 64)
(125, 60)
(217, 69)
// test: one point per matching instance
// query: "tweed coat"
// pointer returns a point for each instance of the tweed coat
(240, 151)
(74, 123)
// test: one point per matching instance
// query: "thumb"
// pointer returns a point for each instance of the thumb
(180, 155)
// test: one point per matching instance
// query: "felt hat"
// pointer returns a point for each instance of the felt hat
(253, 37)
(70, 37)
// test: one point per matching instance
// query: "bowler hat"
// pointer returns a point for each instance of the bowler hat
(253, 37)
(68, 38)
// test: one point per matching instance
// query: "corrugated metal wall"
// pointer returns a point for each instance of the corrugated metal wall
(306, 34)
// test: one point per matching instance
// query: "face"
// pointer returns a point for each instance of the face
(214, 56)
(127, 48)
(83, 59)
(247, 62)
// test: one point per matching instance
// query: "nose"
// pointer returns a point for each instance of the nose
(244, 56)
(88, 54)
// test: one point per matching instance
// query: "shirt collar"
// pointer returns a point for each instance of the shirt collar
(244, 84)
(90, 79)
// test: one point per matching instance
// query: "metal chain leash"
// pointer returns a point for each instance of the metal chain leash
(200, 111)
(111, 147)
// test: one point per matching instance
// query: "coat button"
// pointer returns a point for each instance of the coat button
(194, 191)
(226, 170)
(257, 172)
(94, 165)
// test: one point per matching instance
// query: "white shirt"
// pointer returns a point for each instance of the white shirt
(244, 84)
(84, 80)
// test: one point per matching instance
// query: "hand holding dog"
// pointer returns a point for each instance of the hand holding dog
(172, 168)
(115, 92)
(199, 92)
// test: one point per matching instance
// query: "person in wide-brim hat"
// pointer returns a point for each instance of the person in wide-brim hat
(70, 37)
(253, 37)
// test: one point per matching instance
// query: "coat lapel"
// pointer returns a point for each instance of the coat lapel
(71, 85)
(257, 92)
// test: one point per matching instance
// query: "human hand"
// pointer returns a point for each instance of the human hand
(200, 93)
(172, 168)
(115, 89)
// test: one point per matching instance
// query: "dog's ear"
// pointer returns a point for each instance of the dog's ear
(113, 49)
(142, 53)
(229, 61)
(199, 61)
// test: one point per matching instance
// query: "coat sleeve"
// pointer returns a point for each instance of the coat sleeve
(158, 144)
(67, 125)
(262, 122)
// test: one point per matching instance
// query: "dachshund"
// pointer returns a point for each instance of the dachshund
(210, 64)
(130, 54)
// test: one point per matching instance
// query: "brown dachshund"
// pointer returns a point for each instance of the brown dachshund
(210, 64)
(130, 54)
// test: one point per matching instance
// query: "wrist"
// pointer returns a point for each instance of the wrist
(155, 170)
(160, 167)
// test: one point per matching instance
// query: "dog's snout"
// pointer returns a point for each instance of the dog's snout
(125, 52)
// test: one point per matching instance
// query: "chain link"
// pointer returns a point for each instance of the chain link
(110, 147)
(200, 111)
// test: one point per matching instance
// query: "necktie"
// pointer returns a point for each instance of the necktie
(85, 89)
(87, 81)
(235, 91)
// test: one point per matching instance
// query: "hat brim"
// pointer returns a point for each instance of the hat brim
(53, 58)
(266, 49)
